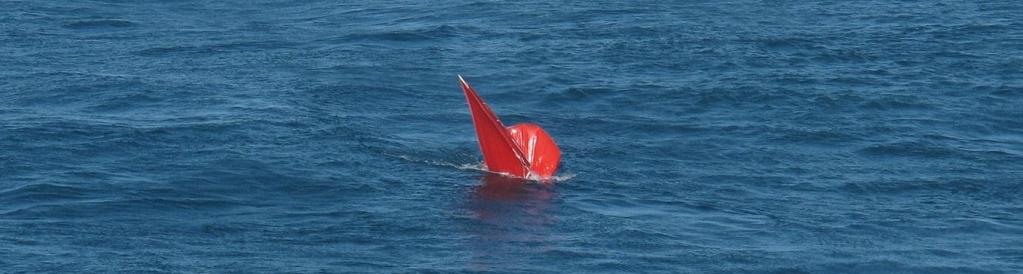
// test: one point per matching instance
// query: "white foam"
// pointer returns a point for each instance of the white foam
(482, 167)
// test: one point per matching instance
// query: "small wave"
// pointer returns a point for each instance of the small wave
(42, 192)
(216, 48)
(911, 149)
(555, 178)
(483, 167)
(160, 51)
(102, 23)
(478, 166)
(409, 35)
(897, 103)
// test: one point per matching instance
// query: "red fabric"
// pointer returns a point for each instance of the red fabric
(499, 152)
(517, 150)
(539, 149)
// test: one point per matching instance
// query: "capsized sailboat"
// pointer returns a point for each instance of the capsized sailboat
(521, 150)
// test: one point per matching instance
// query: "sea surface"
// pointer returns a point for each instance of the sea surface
(332, 136)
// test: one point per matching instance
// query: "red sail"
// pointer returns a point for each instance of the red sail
(500, 153)
(539, 149)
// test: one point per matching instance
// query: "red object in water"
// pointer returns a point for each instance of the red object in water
(519, 150)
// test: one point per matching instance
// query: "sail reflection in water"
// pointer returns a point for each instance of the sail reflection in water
(510, 217)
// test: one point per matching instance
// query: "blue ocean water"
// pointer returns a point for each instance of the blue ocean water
(332, 136)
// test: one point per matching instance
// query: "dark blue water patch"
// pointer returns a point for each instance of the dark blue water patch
(100, 24)
(210, 49)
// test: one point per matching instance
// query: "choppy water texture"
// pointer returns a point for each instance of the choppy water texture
(331, 136)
